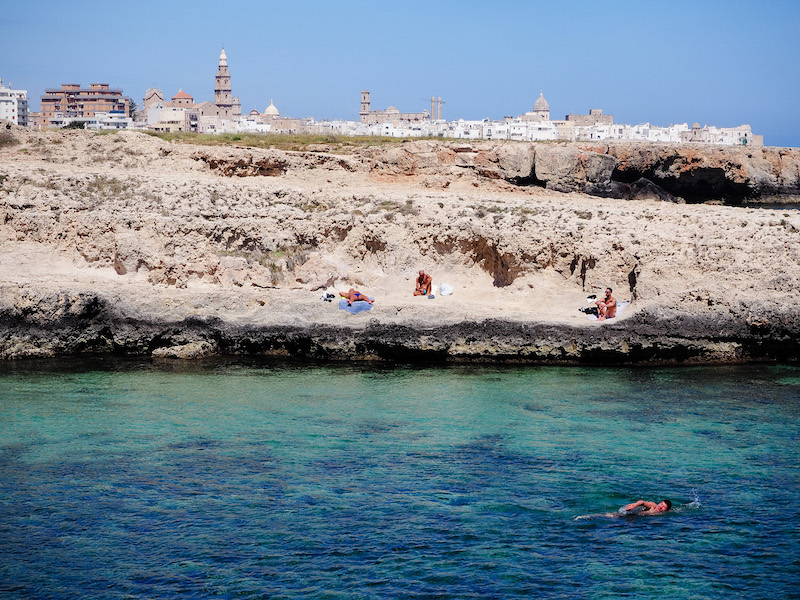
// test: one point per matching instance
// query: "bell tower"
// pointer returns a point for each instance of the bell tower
(364, 114)
(222, 88)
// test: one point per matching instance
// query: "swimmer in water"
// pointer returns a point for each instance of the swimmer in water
(650, 508)
(639, 508)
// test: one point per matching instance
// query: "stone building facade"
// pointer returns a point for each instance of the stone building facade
(182, 113)
(152, 96)
(595, 117)
(390, 115)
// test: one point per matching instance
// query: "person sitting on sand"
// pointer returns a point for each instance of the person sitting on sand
(354, 296)
(606, 307)
(424, 284)
(650, 508)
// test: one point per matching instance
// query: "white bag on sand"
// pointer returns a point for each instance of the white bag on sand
(445, 289)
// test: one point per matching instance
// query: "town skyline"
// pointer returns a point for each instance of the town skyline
(319, 64)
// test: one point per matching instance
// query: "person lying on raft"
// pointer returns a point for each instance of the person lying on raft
(354, 296)
(606, 307)
(650, 508)
(424, 284)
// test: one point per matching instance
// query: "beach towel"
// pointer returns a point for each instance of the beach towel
(621, 306)
(356, 307)
(432, 292)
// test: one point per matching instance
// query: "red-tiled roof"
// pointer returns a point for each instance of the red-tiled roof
(181, 95)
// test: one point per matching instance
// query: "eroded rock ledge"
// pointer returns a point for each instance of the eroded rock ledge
(631, 170)
(84, 323)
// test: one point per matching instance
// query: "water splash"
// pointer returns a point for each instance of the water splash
(695, 504)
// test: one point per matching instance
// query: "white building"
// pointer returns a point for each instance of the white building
(100, 120)
(496, 130)
(537, 125)
(465, 130)
(530, 127)
(252, 125)
(519, 129)
(214, 124)
(741, 135)
(166, 118)
(13, 105)
(111, 120)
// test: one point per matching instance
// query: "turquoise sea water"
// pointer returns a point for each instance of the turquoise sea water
(234, 479)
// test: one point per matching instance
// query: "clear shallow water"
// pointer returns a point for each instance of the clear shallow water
(239, 480)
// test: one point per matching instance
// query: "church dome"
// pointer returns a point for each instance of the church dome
(541, 103)
(271, 110)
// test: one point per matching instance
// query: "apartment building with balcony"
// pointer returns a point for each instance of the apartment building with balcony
(72, 100)
(13, 105)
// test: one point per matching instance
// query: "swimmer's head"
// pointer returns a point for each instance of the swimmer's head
(664, 505)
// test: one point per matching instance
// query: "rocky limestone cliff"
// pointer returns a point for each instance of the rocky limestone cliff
(674, 172)
(129, 244)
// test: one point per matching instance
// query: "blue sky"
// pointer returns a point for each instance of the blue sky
(714, 62)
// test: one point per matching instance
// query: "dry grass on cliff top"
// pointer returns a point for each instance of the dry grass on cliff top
(284, 141)
(337, 144)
